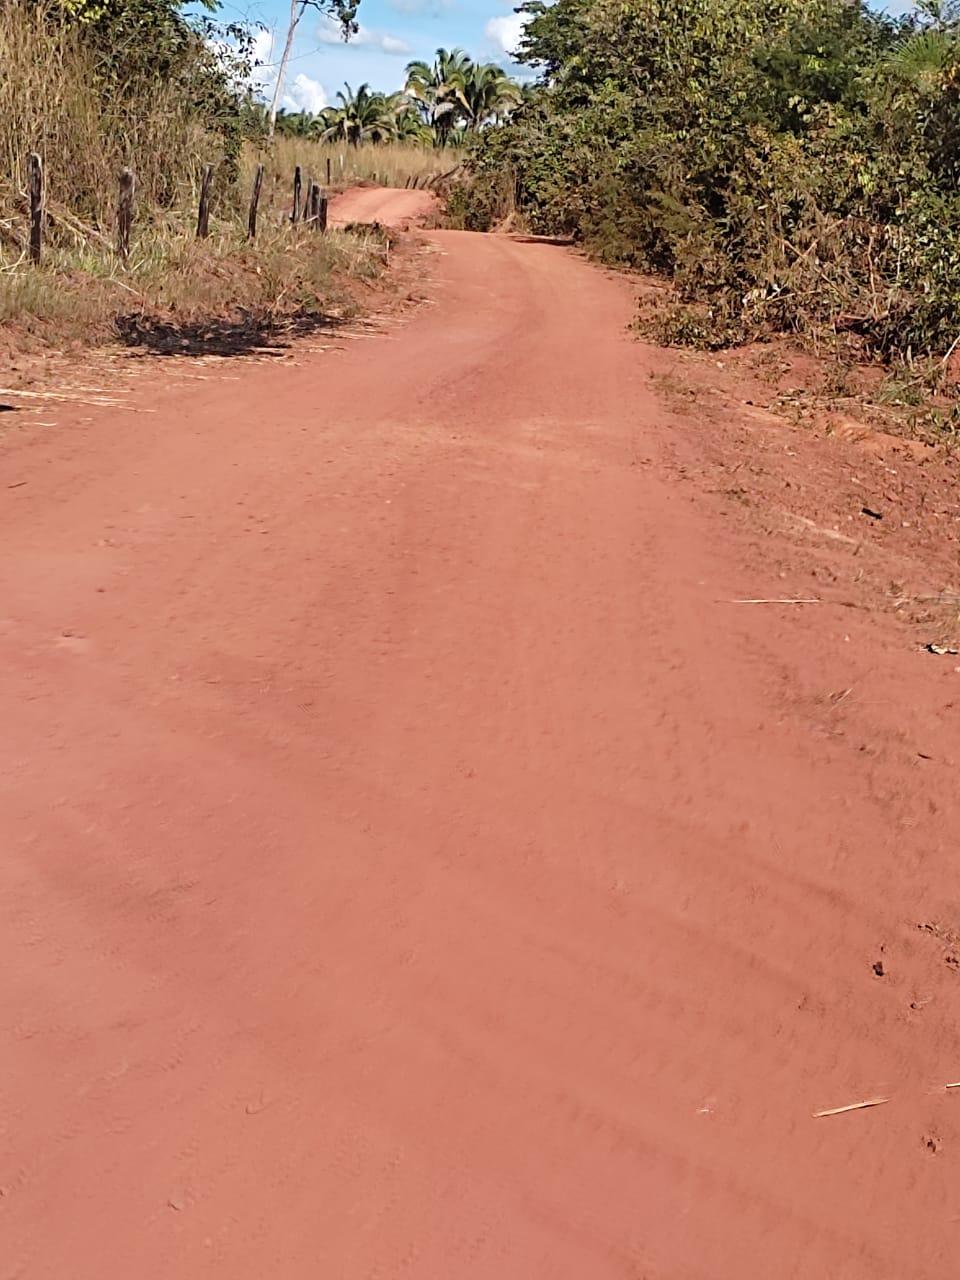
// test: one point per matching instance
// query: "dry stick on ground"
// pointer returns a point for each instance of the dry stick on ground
(297, 194)
(254, 201)
(10, 235)
(774, 602)
(852, 1106)
(36, 207)
(125, 212)
(203, 213)
(437, 178)
(81, 231)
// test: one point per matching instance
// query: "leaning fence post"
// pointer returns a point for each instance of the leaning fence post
(203, 213)
(297, 189)
(36, 207)
(254, 201)
(125, 212)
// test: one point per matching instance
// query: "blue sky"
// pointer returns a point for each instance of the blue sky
(391, 33)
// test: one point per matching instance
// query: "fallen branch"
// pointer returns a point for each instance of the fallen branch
(774, 602)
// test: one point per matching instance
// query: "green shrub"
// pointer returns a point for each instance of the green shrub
(792, 164)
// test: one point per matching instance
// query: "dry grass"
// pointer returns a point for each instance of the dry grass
(175, 284)
(395, 164)
(49, 103)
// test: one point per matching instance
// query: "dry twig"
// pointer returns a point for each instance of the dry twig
(851, 1106)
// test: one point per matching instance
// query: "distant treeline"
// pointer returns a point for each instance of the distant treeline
(442, 104)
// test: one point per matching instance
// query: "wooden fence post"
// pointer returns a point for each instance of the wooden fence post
(321, 210)
(315, 204)
(36, 207)
(254, 201)
(297, 189)
(203, 213)
(125, 212)
(328, 171)
(308, 201)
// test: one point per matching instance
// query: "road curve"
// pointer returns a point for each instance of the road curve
(412, 867)
(389, 207)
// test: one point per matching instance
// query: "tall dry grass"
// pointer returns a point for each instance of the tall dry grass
(51, 101)
(392, 164)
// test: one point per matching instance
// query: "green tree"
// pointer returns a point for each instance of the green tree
(295, 124)
(138, 44)
(362, 116)
(791, 163)
(438, 88)
(488, 94)
(454, 92)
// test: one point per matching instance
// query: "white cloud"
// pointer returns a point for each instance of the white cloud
(330, 32)
(505, 32)
(301, 93)
(304, 94)
(264, 76)
(263, 41)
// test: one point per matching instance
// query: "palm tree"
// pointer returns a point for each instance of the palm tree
(439, 90)
(296, 124)
(409, 124)
(923, 58)
(455, 92)
(489, 94)
(363, 116)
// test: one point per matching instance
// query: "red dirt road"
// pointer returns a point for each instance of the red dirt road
(414, 866)
(389, 207)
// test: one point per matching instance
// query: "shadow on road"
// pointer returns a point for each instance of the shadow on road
(241, 336)
(528, 239)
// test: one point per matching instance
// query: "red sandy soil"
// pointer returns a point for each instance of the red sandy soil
(393, 208)
(416, 865)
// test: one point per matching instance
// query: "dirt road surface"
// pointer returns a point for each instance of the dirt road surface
(415, 865)
(381, 204)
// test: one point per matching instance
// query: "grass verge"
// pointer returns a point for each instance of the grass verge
(175, 288)
(179, 293)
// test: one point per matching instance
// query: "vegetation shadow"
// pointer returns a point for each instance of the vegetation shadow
(530, 239)
(242, 335)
